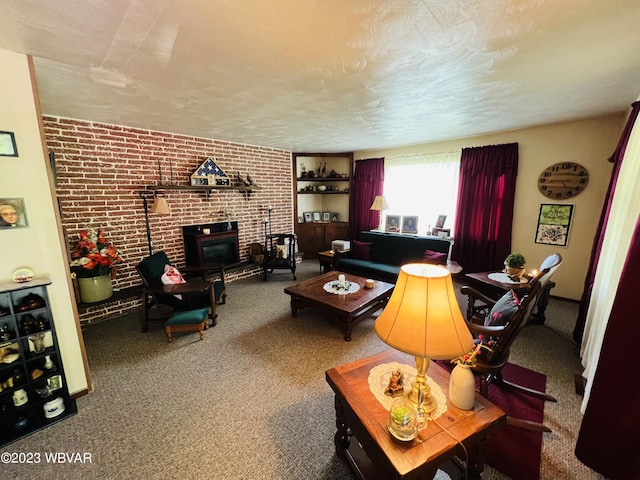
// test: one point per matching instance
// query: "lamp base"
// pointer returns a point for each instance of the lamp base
(420, 395)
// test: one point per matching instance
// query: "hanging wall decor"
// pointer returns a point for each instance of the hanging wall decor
(12, 213)
(554, 222)
(8, 146)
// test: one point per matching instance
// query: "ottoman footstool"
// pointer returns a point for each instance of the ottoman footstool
(187, 321)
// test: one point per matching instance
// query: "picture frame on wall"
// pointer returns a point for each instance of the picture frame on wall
(8, 146)
(409, 224)
(12, 213)
(554, 223)
(392, 223)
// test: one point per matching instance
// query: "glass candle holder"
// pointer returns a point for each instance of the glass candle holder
(402, 422)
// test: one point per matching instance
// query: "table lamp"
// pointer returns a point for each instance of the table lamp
(422, 318)
(379, 204)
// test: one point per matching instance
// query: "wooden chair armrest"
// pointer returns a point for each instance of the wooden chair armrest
(484, 329)
(475, 295)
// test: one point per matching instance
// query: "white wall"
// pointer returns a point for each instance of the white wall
(39, 245)
(589, 143)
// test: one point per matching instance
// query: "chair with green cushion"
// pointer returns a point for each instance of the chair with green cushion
(159, 300)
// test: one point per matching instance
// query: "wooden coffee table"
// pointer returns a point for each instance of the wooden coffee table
(347, 309)
(363, 440)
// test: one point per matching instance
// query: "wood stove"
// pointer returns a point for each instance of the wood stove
(211, 243)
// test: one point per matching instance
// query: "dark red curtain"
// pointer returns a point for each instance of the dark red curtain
(610, 429)
(368, 181)
(485, 206)
(616, 159)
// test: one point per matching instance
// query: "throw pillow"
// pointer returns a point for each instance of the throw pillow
(172, 276)
(434, 258)
(361, 250)
(503, 309)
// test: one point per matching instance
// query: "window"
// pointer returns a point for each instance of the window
(423, 185)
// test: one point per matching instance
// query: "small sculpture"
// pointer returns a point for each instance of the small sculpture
(396, 384)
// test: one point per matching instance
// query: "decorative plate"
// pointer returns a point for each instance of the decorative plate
(22, 275)
(334, 287)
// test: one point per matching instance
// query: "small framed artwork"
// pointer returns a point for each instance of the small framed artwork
(335, 217)
(440, 221)
(326, 216)
(554, 222)
(409, 224)
(8, 144)
(316, 217)
(12, 213)
(392, 223)
(308, 217)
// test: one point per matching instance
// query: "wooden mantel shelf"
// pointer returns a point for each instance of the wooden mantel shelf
(204, 188)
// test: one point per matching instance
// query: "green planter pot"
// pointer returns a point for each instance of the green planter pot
(95, 289)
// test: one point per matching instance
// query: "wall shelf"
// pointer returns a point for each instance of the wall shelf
(204, 188)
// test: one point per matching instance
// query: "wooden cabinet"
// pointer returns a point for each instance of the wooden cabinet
(322, 183)
(33, 386)
(316, 237)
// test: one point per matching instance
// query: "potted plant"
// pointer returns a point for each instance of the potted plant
(514, 264)
(93, 265)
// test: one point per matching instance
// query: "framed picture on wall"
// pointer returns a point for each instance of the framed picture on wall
(8, 146)
(554, 222)
(392, 223)
(409, 224)
(12, 213)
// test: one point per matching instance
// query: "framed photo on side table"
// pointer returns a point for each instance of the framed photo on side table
(392, 223)
(440, 221)
(409, 224)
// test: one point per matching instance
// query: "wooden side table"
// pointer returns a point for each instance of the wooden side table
(362, 438)
(326, 260)
(494, 289)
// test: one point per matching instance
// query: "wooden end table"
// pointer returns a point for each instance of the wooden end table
(349, 309)
(495, 289)
(362, 438)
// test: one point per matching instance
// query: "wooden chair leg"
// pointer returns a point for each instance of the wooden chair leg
(527, 424)
(529, 391)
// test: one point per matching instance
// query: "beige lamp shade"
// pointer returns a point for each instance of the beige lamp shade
(423, 317)
(379, 203)
(160, 206)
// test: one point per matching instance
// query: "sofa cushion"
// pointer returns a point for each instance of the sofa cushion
(369, 269)
(503, 309)
(434, 258)
(361, 250)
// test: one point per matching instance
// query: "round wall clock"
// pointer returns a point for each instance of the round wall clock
(563, 180)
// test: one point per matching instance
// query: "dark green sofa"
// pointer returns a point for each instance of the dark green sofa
(389, 251)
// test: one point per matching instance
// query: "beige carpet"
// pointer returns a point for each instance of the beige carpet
(250, 401)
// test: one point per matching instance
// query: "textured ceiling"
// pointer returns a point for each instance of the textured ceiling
(329, 75)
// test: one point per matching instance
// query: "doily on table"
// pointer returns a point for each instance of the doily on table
(504, 278)
(333, 287)
(379, 380)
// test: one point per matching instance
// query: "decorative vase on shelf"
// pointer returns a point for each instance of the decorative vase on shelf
(48, 363)
(462, 387)
(95, 289)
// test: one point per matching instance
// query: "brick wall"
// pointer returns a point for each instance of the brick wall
(102, 169)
